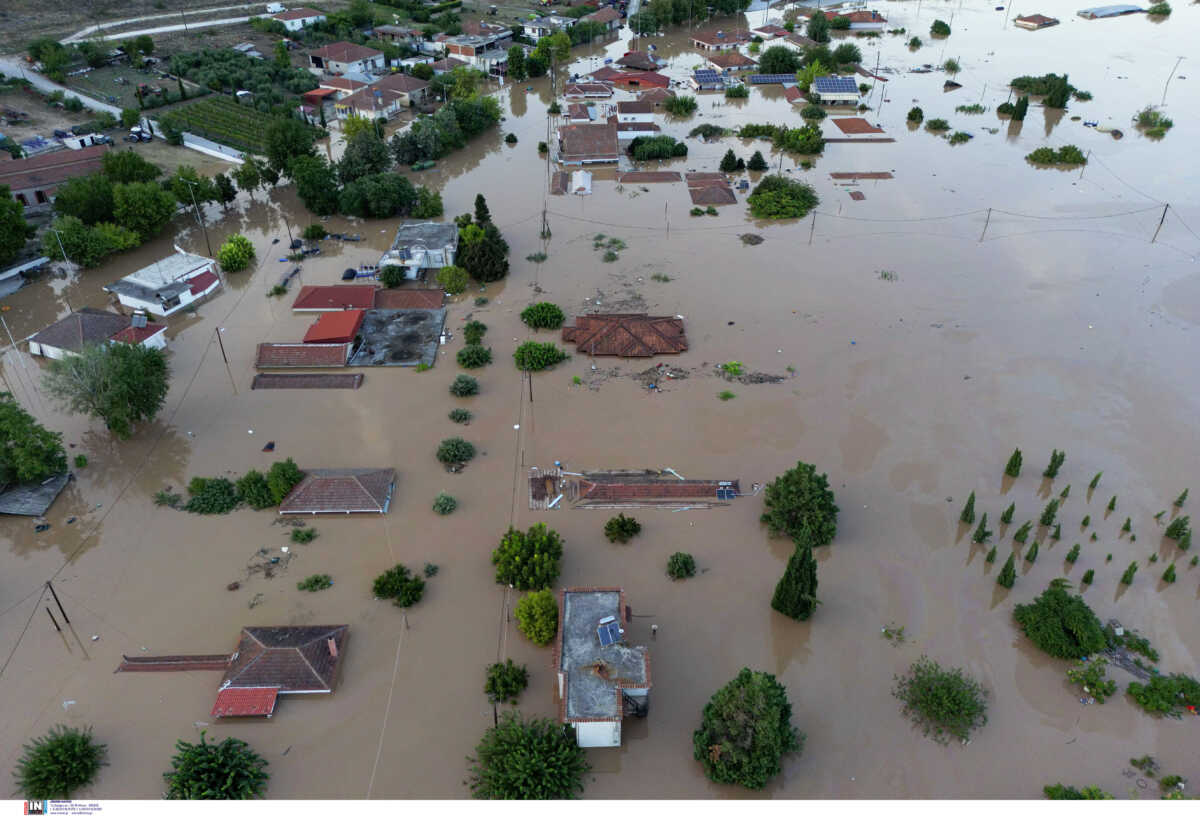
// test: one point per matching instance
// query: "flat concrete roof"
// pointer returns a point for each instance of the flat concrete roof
(588, 694)
(399, 337)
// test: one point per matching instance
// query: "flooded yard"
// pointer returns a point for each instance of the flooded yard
(971, 304)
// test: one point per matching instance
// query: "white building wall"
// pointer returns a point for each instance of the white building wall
(598, 734)
(50, 352)
(635, 117)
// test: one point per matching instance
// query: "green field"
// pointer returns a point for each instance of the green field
(221, 119)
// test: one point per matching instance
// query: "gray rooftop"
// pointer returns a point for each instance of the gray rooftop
(32, 498)
(590, 696)
(399, 337)
(166, 278)
(426, 234)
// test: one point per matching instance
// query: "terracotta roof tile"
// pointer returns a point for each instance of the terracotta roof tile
(51, 169)
(134, 335)
(302, 355)
(626, 335)
(408, 298)
(335, 298)
(341, 491)
(289, 658)
(649, 490)
(335, 327)
(246, 702)
(346, 52)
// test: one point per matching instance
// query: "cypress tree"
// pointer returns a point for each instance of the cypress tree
(1032, 553)
(1095, 480)
(728, 162)
(1057, 458)
(1182, 498)
(1006, 516)
(1127, 526)
(1008, 575)
(967, 516)
(1049, 512)
(1088, 576)
(991, 556)
(1013, 468)
(1112, 504)
(1178, 528)
(757, 162)
(1086, 521)
(1022, 533)
(982, 533)
(1066, 492)
(482, 214)
(1073, 554)
(1127, 578)
(1020, 108)
(796, 592)
(1169, 575)
(1057, 533)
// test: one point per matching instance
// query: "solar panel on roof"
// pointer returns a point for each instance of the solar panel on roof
(707, 76)
(609, 633)
(772, 79)
(835, 85)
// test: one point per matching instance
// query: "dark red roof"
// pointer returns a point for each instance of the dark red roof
(48, 170)
(626, 335)
(335, 298)
(856, 125)
(346, 52)
(731, 59)
(408, 298)
(302, 355)
(202, 282)
(651, 489)
(638, 59)
(591, 142)
(792, 94)
(287, 658)
(642, 79)
(335, 327)
(723, 36)
(246, 702)
(341, 491)
(135, 336)
(604, 15)
(302, 13)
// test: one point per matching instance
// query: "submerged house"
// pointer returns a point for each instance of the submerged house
(588, 144)
(422, 246)
(274, 660)
(626, 335)
(341, 491)
(1033, 22)
(1100, 12)
(601, 679)
(835, 90)
(167, 286)
(94, 326)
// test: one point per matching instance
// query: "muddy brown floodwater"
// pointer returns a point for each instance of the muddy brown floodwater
(1065, 327)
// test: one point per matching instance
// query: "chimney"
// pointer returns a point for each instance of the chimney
(332, 647)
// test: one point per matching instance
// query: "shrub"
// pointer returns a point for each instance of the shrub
(1048, 513)
(914, 43)
(1060, 624)
(401, 586)
(211, 496)
(474, 356)
(473, 332)
(314, 232)
(944, 703)
(1178, 528)
(444, 504)
(1166, 694)
(1130, 571)
(455, 451)
(537, 257)
(681, 105)
(1007, 516)
(543, 315)
(1022, 533)
(464, 386)
(215, 770)
(726, 396)
(1112, 504)
(542, 147)
(460, 415)
(1095, 481)
(916, 115)
(951, 66)
(778, 197)
(800, 505)
(1088, 576)
(315, 583)
(537, 616)
(967, 516)
(609, 256)
(813, 112)
(56, 765)
(939, 29)
(1057, 458)
(1008, 573)
(1068, 154)
(165, 498)
(1181, 499)
(510, 138)
(1061, 791)
(1073, 554)
(696, 211)
(1032, 553)
(253, 490)
(991, 555)
(504, 682)
(527, 759)
(937, 125)
(1159, 10)
(681, 565)
(1006, 108)
(236, 253)
(529, 560)
(707, 131)
(1169, 575)
(796, 592)
(453, 279)
(745, 731)
(620, 528)
(430, 570)
(532, 356)
(737, 92)
(982, 533)
(282, 477)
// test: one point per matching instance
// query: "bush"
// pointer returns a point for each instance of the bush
(215, 770)
(1130, 571)
(531, 356)
(1178, 528)
(1159, 10)
(542, 147)
(967, 516)
(681, 565)
(236, 253)
(778, 197)
(529, 560)
(464, 386)
(648, 148)
(510, 138)
(1089, 675)
(453, 279)
(460, 415)
(81, 461)
(1008, 573)
(757, 163)
(944, 703)
(1048, 513)
(543, 316)
(254, 491)
(745, 731)
(959, 137)
(800, 505)
(1006, 108)
(620, 528)
(706, 132)
(444, 504)
(951, 66)
(537, 616)
(315, 583)
(504, 682)
(455, 451)
(937, 125)
(914, 43)
(812, 112)
(392, 276)
(916, 115)
(474, 356)
(681, 105)
(303, 535)
(314, 232)
(211, 496)
(1060, 624)
(527, 759)
(1061, 791)
(939, 29)
(1073, 554)
(1068, 154)
(282, 477)
(400, 585)
(1166, 694)
(737, 92)
(56, 765)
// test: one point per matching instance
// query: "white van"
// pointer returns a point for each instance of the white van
(274, 8)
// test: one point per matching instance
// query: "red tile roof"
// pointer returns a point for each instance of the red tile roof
(302, 13)
(855, 125)
(401, 82)
(48, 170)
(772, 29)
(341, 491)
(793, 94)
(343, 84)
(585, 89)
(246, 702)
(335, 327)
(722, 36)
(639, 106)
(136, 336)
(638, 59)
(650, 489)
(577, 110)
(626, 335)
(409, 298)
(732, 59)
(334, 298)
(858, 16)
(656, 96)
(302, 355)
(605, 15)
(203, 282)
(288, 658)
(589, 142)
(641, 79)
(371, 99)
(448, 64)
(346, 52)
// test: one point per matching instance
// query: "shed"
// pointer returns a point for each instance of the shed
(335, 327)
(341, 491)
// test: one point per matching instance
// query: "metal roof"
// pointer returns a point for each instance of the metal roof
(835, 85)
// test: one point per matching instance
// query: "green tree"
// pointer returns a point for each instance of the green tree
(282, 477)
(516, 64)
(215, 770)
(14, 232)
(143, 207)
(1013, 468)
(144, 44)
(1178, 528)
(455, 451)
(728, 162)
(818, 27)
(681, 565)
(119, 383)
(56, 765)
(1032, 553)
(1060, 624)
(1130, 571)
(88, 198)
(1057, 458)
(282, 58)
(847, 54)
(527, 759)
(365, 155)
(1181, 499)
(1007, 516)
(621, 528)
(532, 356)
(1061, 791)
(1008, 574)
(543, 315)
(28, 451)
(537, 616)
(916, 115)
(1059, 93)
(1048, 513)
(483, 215)
(778, 197)
(504, 682)
(226, 192)
(453, 279)
(967, 516)
(982, 533)
(939, 29)
(254, 490)
(399, 585)
(529, 560)
(287, 138)
(1169, 575)
(943, 703)
(188, 186)
(800, 505)
(778, 59)
(1020, 109)
(84, 245)
(316, 184)
(757, 163)
(236, 253)
(464, 386)
(125, 166)
(796, 592)
(745, 731)
(248, 175)
(484, 253)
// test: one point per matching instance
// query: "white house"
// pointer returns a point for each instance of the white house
(297, 18)
(92, 327)
(422, 246)
(635, 111)
(344, 57)
(166, 286)
(545, 26)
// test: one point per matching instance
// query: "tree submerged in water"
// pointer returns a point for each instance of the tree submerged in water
(800, 505)
(56, 765)
(746, 730)
(527, 759)
(944, 703)
(796, 592)
(967, 516)
(1060, 624)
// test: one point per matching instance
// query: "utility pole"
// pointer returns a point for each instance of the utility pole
(1085, 161)
(1160, 222)
(57, 628)
(50, 587)
(61, 248)
(987, 221)
(199, 216)
(812, 228)
(1168, 82)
